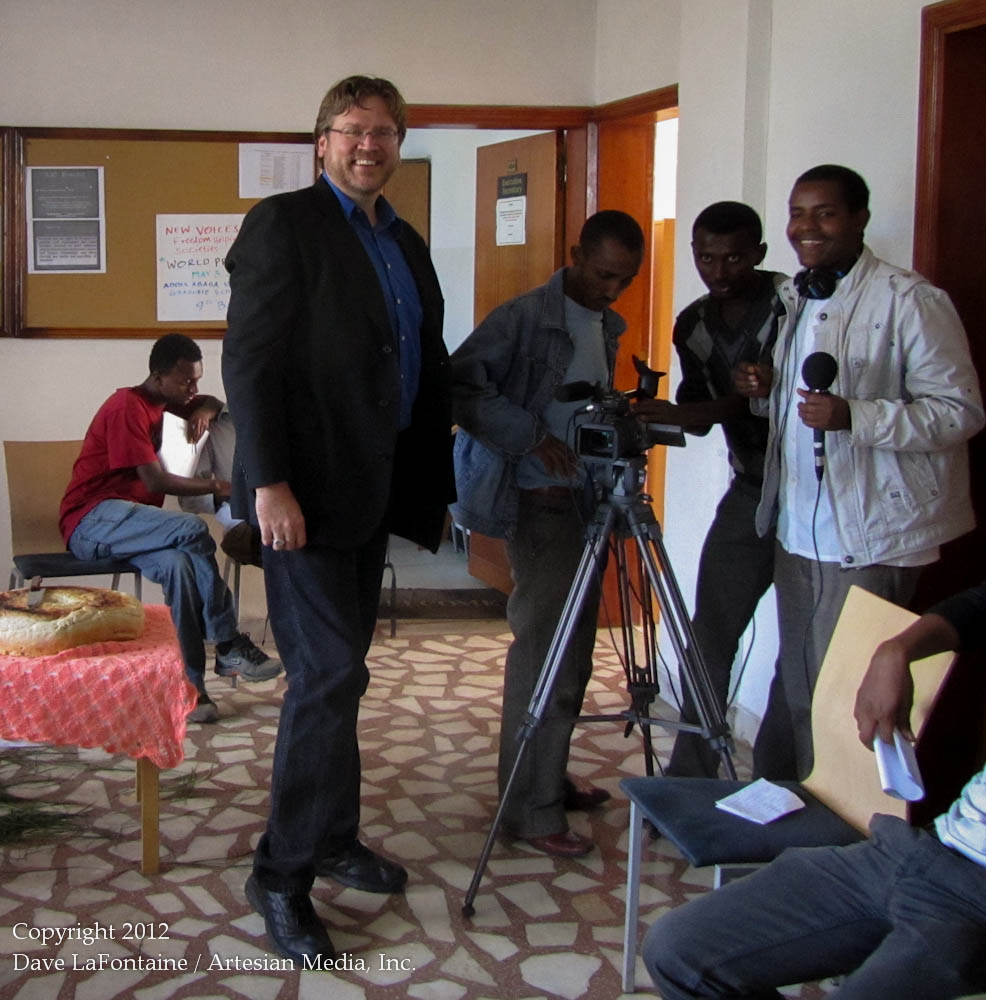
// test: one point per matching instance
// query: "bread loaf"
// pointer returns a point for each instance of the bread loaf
(65, 618)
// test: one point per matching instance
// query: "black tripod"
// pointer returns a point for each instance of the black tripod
(624, 512)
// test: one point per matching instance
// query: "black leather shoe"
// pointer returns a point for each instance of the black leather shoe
(293, 929)
(359, 868)
(242, 543)
(584, 799)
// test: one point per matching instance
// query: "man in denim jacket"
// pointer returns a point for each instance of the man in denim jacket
(518, 478)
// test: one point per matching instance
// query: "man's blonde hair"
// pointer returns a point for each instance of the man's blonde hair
(352, 92)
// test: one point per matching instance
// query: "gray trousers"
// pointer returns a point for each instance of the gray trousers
(810, 596)
(734, 572)
(216, 460)
(544, 556)
(900, 915)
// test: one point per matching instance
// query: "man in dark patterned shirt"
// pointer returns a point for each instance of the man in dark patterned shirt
(736, 321)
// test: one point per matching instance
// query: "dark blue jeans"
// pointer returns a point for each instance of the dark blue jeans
(323, 606)
(900, 915)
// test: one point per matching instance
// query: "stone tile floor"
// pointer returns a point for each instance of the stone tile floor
(429, 732)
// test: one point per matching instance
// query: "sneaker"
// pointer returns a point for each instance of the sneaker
(244, 659)
(242, 543)
(204, 711)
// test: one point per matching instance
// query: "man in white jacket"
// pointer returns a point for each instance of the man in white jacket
(892, 482)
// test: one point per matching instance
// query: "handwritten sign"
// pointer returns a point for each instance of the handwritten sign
(192, 283)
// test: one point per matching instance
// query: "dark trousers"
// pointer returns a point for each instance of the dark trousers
(544, 557)
(735, 571)
(323, 608)
(810, 596)
(900, 915)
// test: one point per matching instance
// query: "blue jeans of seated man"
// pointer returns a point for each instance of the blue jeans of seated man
(176, 551)
(900, 915)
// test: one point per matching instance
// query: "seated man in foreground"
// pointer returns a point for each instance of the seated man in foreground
(112, 509)
(902, 914)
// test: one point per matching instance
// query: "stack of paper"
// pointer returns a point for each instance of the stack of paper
(898, 768)
(178, 455)
(761, 802)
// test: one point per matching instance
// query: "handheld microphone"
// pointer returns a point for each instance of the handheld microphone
(819, 371)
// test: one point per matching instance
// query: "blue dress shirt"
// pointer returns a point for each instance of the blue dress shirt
(400, 291)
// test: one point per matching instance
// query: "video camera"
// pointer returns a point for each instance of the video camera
(614, 432)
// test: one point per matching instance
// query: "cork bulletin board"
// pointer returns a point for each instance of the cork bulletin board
(146, 174)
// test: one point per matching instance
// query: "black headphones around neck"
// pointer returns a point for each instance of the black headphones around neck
(820, 282)
(817, 282)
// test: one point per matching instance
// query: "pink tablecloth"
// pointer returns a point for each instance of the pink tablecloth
(126, 697)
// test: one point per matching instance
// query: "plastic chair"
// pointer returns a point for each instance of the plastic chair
(37, 474)
(841, 794)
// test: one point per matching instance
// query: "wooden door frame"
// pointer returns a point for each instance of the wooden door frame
(522, 116)
(938, 21)
(580, 124)
(953, 743)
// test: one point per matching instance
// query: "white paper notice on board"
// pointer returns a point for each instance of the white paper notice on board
(66, 220)
(192, 283)
(270, 168)
(511, 221)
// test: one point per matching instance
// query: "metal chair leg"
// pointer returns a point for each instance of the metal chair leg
(634, 849)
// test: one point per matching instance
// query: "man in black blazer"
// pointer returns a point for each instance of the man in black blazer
(337, 379)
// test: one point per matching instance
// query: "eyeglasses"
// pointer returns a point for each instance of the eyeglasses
(385, 136)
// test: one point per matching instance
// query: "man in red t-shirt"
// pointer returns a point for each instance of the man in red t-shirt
(112, 508)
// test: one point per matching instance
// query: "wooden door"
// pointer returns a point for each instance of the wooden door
(528, 169)
(950, 218)
(409, 191)
(625, 181)
(519, 245)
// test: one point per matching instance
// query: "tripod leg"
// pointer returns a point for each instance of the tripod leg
(641, 680)
(590, 565)
(648, 676)
(675, 616)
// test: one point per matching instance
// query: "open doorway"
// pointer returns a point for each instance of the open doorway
(452, 154)
(603, 173)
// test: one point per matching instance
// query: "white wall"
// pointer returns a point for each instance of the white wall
(637, 47)
(254, 64)
(839, 96)
(767, 88)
